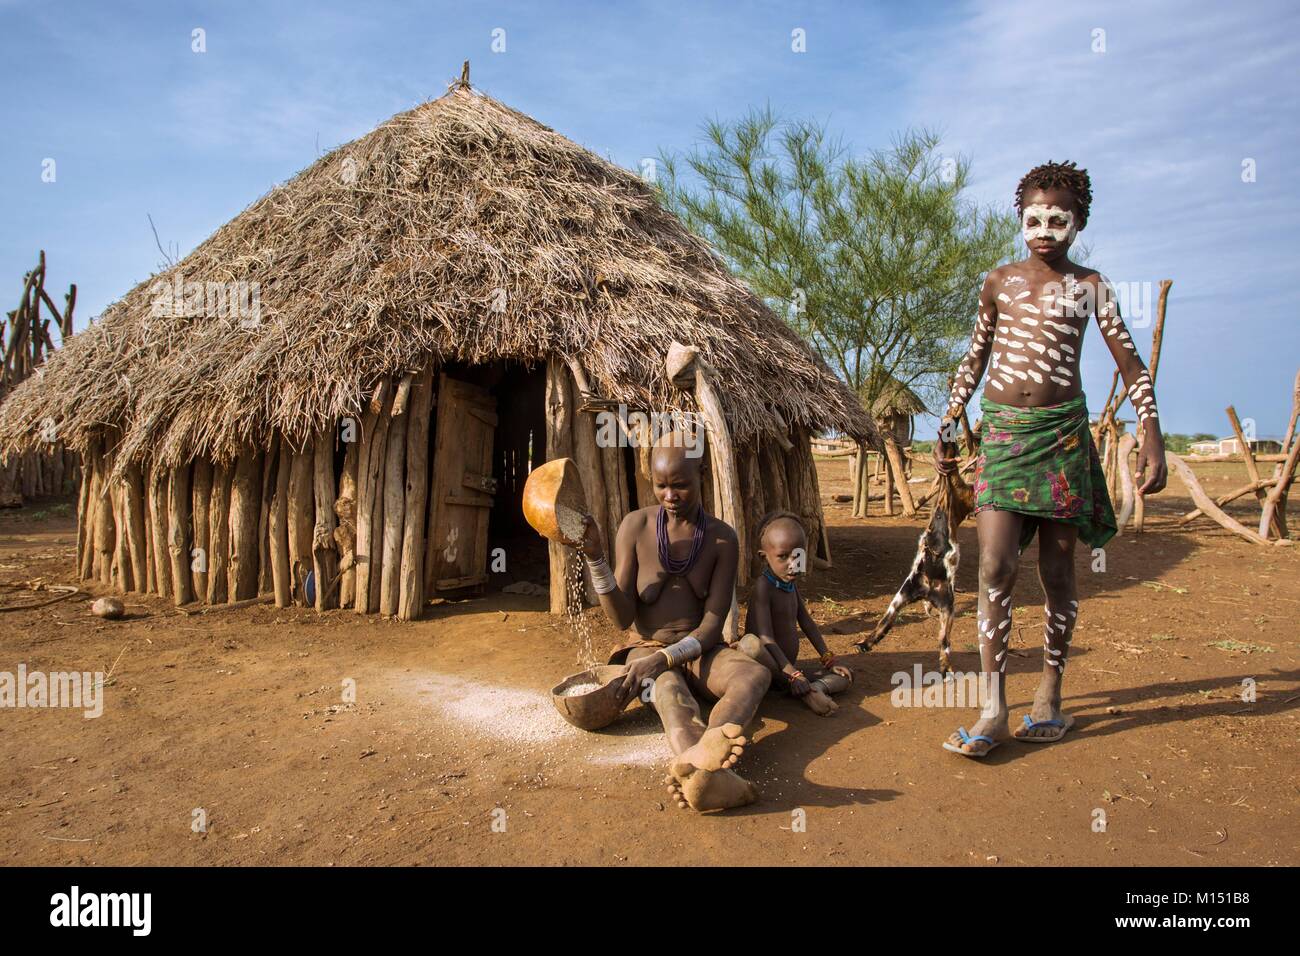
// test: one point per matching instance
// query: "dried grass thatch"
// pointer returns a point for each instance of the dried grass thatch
(896, 400)
(459, 230)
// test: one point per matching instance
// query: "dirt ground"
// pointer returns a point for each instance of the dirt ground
(453, 754)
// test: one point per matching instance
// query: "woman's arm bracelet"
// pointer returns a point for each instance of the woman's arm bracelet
(687, 649)
(602, 575)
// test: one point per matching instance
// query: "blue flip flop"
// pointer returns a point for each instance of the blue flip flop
(1063, 725)
(971, 738)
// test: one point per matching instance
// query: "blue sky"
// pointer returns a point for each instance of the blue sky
(138, 124)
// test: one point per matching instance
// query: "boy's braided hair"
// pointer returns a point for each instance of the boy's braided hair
(1058, 176)
(774, 516)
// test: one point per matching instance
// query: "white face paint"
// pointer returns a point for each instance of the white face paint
(1043, 217)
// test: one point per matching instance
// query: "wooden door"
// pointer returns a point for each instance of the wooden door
(463, 487)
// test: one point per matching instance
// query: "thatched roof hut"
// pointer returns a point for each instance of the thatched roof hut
(460, 241)
(894, 407)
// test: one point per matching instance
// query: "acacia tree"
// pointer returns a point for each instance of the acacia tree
(876, 261)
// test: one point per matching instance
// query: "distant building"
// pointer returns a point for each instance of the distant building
(1230, 446)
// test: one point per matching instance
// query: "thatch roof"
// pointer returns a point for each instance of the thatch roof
(896, 400)
(461, 230)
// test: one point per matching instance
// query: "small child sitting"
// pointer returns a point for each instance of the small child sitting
(776, 612)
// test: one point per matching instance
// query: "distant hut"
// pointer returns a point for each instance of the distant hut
(337, 396)
(894, 409)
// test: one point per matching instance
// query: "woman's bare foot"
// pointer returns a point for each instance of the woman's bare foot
(709, 789)
(819, 703)
(718, 749)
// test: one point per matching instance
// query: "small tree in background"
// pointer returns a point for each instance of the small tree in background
(877, 262)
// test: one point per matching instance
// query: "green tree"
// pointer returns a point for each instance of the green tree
(876, 261)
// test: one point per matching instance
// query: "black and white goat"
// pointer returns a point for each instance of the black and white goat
(932, 580)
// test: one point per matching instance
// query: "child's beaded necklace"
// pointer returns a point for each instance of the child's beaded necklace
(780, 585)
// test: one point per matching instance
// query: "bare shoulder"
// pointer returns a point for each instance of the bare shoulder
(722, 532)
(636, 521)
(1006, 275)
(760, 590)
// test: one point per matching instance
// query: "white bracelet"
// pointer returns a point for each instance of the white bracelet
(687, 649)
(602, 576)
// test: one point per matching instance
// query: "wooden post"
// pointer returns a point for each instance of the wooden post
(1277, 497)
(1126, 445)
(1206, 505)
(559, 444)
(899, 472)
(200, 503)
(410, 599)
(244, 510)
(136, 537)
(682, 365)
(219, 535)
(158, 528)
(754, 506)
(390, 541)
(178, 534)
(370, 502)
(302, 518)
(1252, 469)
(345, 511)
(85, 512)
(150, 568)
(278, 527)
(104, 521)
(122, 579)
(264, 583)
(325, 558)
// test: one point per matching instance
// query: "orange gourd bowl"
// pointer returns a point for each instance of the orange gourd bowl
(554, 503)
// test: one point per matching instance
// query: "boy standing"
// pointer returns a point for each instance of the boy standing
(1038, 468)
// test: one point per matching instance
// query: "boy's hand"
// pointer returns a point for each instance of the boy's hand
(1151, 463)
(843, 672)
(799, 684)
(592, 545)
(942, 463)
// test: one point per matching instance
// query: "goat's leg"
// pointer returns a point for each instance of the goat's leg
(909, 592)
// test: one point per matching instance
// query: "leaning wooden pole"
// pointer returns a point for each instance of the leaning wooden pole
(158, 481)
(1277, 497)
(559, 444)
(219, 535)
(687, 369)
(325, 556)
(178, 534)
(345, 512)
(200, 525)
(370, 520)
(277, 527)
(302, 518)
(410, 597)
(244, 511)
(134, 513)
(390, 571)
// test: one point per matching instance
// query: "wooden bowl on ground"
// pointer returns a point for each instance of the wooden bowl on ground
(554, 503)
(596, 708)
